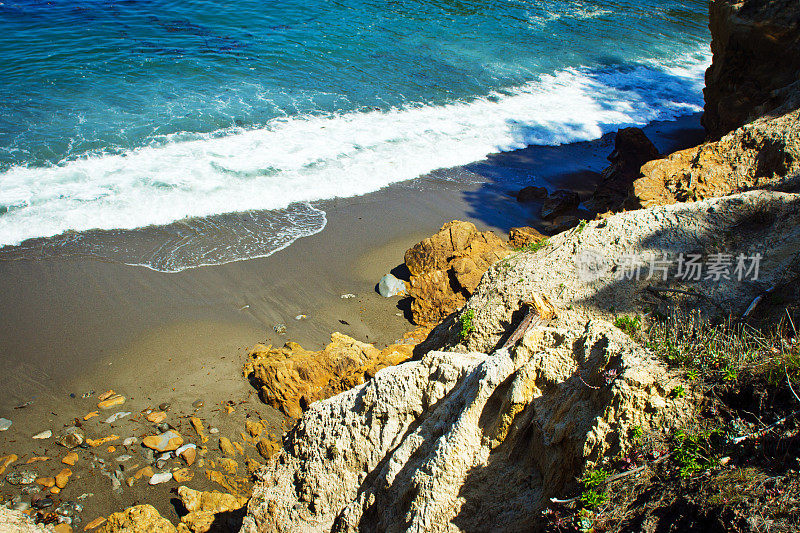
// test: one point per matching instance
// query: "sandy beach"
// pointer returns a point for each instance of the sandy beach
(74, 325)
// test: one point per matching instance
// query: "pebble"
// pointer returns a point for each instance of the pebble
(280, 329)
(163, 427)
(213, 431)
(183, 475)
(44, 503)
(71, 437)
(21, 506)
(106, 395)
(149, 455)
(130, 441)
(94, 524)
(124, 458)
(69, 508)
(5, 461)
(46, 482)
(39, 459)
(300, 317)
(87, 394)
(46, 434)
(161, 477)
(91, 415)
(113, 401)
(163, 406)
(62, 478)
(156, 417)
(167, 441)
(70, 459)
(348, 296)
(21, 477)
(5, 423)
(116, 416)
(197, 404)
(226, 447)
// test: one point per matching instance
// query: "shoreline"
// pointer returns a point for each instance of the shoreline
(78, 324)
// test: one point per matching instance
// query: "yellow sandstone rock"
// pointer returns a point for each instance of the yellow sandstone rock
(203, 506)
(70, 459)
(228, 465)
(267, 448)
(94, 443)
(62, 478)
(113, 401)
(91, 415)
(54, 490)
(254, 428)
(106, 395)
(239, 447)
(138, 519)
(227, 448)
(189, 455)
(197, 424)
(156, 417)
(147, 472)
(166, 442)
(182, 475)
(111, 449)
(46, 482)
(5, 461)
(62, 528)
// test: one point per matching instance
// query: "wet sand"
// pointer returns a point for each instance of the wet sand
(79, 324)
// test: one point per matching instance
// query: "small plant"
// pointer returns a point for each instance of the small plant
(692, 375)
(693, 452)
(730, 374)
(592, 497)
(581, 226)
(629, 325)
(677, 392)
(534, 246)
(465, 322)
(637, 433)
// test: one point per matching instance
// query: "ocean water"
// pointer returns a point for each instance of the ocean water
(218, 125)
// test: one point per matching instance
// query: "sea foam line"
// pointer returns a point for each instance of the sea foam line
(310, 158)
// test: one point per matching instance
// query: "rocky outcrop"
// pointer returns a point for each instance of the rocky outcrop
(446, 267)
(756, 46)
(464, 441)
(559, 203)
(618, 265)
(291, 378)
(210, 511)
(762, 154)
(18, 522)
(632, 149)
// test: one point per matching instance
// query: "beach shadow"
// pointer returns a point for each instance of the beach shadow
(575, 166)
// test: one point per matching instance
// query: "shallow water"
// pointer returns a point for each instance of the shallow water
(222, 123)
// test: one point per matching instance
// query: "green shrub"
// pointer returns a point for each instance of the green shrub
(629, 325)
(465, 323)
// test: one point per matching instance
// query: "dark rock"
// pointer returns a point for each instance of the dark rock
(564, 223)
(519, 237)
(44, 503)
(559, 203)
(632, 149)
(529, 194)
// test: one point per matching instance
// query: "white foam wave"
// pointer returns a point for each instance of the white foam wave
(309, 158)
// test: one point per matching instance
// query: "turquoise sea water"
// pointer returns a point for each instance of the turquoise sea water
(125, 114)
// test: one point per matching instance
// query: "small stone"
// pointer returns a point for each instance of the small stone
(111, 449)
(21, 506)
(91, 415)
(183, 475)
(300, 317)
(87, 394)
(348, 296)
(69, 509)
(113, 401)
(124, 458)
(5, 461)
(130, 441)
(163, 427)
(62, 478)
(161, 477)
(280, 329)
(267, 448)
(43, 503)
(40, 459)
(147, 472)
(156, 417)
(390, 286)
(167, 441)
(228, 465)
(94, 443)
(116, 416)
(227, 448)
(197, 424)
(46, 482)
(70, 459)
(106, 395)
(21, 477)
(197, 404)
(62, 528)
(71, 437)
(189, 455)
(163, 406)
(94, 524)
(165, 456)
(46, 434)
(254, 428)
(213, 431)
(5, 423)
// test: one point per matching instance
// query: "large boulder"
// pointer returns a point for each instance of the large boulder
(18, 522)
(762, 154)
(632, 149)
(465, 442)
(212, 511)
(446, 267)
(291, 378)
(559, 203)
(137, 519)
(756, 46)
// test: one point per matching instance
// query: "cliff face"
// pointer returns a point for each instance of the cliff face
(756, 46)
